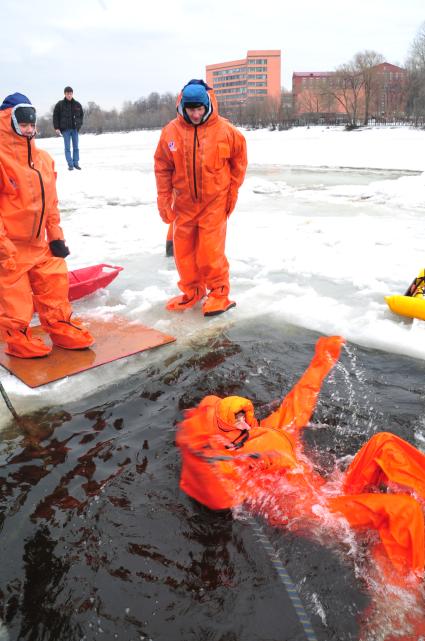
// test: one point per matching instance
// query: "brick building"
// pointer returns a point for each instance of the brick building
(255, 77)
(326, 93)
(390, 96)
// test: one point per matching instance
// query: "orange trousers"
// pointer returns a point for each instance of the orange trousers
(199, 244)
(40, 282)
(398, 518)
(386, 457)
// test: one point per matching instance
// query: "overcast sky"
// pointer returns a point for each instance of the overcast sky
(110, 51)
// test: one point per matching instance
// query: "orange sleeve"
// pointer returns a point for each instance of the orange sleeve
(164, 169)
(7, 248)
(53, 228)
(196, 429)
(297, 407)
(238, 159)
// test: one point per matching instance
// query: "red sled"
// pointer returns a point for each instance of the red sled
(87, 280)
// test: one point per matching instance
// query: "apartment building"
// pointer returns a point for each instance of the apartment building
(255, 77)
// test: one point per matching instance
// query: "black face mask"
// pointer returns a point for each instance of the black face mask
(23, 113)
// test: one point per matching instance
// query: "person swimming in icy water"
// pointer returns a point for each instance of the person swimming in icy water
(230, 459)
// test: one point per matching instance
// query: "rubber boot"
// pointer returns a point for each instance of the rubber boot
(182, 302)
(21, 343)
(69, 335)
(217, 304)
(169, 245)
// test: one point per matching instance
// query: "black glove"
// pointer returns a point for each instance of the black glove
(58, 248)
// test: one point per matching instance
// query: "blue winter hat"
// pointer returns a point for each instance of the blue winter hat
(194, 94)
(15, 99)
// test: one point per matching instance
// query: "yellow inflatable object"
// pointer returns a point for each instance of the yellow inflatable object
(412, 304)
(407, 306)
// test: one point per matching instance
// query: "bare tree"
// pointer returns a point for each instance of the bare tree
(252, 113)
(417, 50)
(348, 90)
(366, 63)
(318, 100)
(45, 127)
(308, 102)
(93, 118)
(416, 68)
(272, 108)
(286, 111)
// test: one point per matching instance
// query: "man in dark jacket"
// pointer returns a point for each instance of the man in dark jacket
(67, 120)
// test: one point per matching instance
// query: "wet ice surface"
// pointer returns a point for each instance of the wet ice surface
(97, 541)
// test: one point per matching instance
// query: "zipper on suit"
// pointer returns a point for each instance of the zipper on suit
(195, 140)
(43, 199)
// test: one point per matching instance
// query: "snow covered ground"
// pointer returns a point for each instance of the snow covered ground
(328, 222)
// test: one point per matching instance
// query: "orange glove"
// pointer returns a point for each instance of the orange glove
(9, 265)
(232, 198)
(167, 214)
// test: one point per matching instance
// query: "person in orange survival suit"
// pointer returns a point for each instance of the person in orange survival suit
(221, 437)
(200, 163)
(33, 271)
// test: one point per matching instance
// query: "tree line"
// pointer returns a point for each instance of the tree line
(353, 84)
(145, 113)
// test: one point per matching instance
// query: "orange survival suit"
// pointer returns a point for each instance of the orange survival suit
(29, 220)
(223, 454)
(199, 169)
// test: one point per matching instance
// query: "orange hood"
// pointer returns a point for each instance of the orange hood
(11, 143)
(28, 199)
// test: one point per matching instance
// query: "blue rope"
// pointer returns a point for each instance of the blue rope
(285, 579)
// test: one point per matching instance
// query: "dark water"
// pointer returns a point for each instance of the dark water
(98, 542)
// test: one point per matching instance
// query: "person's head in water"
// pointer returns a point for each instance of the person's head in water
(233, 412)
(195, 102)
(235, 417)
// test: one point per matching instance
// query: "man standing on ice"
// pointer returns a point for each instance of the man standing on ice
(67, 120)
(200, 163)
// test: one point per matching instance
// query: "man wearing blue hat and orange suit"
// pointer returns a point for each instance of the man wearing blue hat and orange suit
(200, 163)
(33, 271)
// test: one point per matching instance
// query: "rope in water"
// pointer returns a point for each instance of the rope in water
(273, 556)
(285, 579)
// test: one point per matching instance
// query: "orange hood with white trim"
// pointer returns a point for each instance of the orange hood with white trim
(28, 200)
